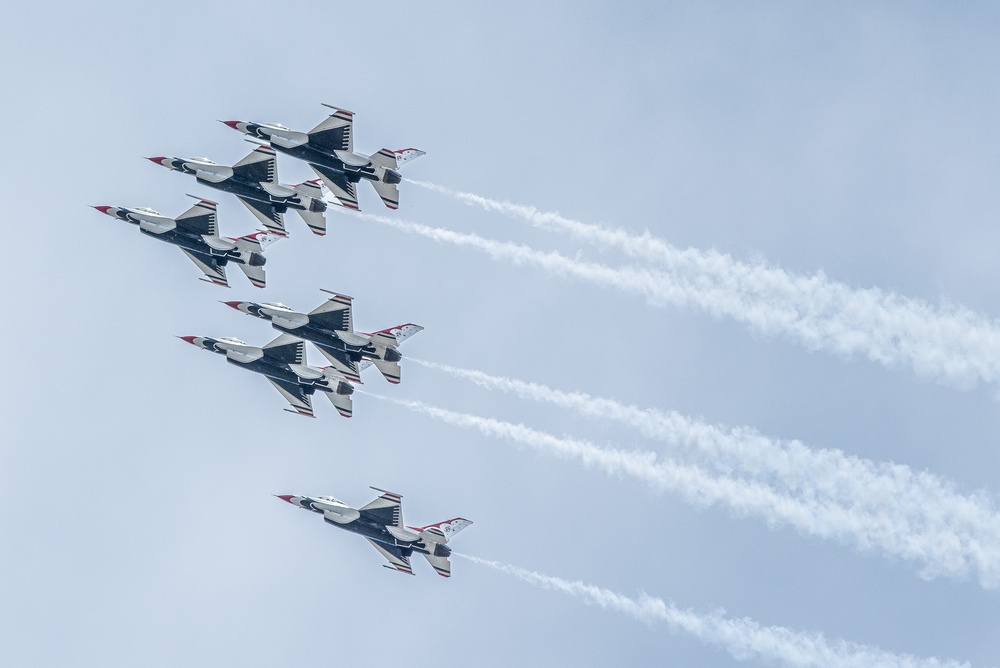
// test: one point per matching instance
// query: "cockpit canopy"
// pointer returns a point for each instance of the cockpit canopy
(330, 499)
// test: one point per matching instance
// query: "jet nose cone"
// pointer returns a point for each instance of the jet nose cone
(159, 160)
(235, 305)
(234, 124)
(189, 339)
(103, 209)
(285, 497)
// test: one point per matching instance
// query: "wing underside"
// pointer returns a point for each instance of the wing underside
(345, 190)
(295, 395)
(397, 560)
(266, 213)
(214, 272)
(385, 510)
(341, 363)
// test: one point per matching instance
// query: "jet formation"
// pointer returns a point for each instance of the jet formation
(381, 522)
(329, 150)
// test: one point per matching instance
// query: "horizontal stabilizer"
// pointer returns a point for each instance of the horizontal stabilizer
(390, 370)
(342, 402)
(255, 274)
(384, 158)
(440, 564)
(388, 192)
(316, 221)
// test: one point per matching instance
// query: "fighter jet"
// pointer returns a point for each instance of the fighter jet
(381, 522)
(329, 150)
(283, 362)
(196, 231)
(330, 327)
(254, 181)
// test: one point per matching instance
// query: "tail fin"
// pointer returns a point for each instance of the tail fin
(393, 336)
(256, 242)
(407, 154)
(442, 532)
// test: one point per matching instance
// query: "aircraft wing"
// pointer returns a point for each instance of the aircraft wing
(335, 132)
(385, 510)
(265, 213)
(345, 190)
(295, 395)
(341, 363)
(334, 314)
(200, 219)
(259, 166)
(397, 560)
(214, 272)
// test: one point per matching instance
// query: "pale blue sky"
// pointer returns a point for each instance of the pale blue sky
(136, 471)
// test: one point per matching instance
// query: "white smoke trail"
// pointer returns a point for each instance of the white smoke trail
(919, 504)
(951, 344)
(943, 545)
(742, 638)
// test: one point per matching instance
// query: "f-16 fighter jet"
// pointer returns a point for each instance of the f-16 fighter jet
(381, 522)
(329, 150)
(196, 231)
(331, 327)
(254, 181)
(283, 362)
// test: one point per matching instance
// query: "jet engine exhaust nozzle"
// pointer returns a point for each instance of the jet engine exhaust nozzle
(257, 260)
(317, 205)
(392, 355)
(392, 176)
